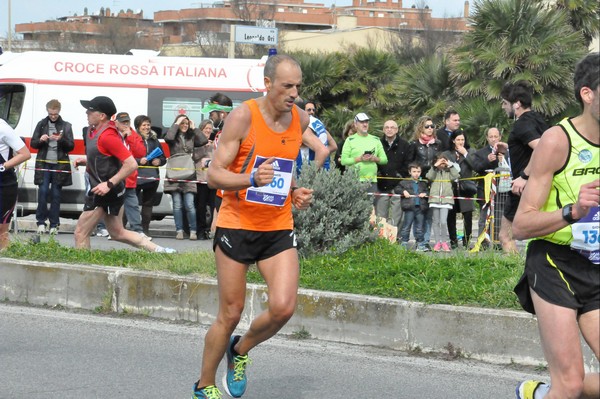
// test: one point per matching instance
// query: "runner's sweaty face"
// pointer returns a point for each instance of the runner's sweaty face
(285, 86)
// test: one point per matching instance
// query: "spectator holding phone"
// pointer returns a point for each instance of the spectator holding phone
(364, 151)
(53, 138)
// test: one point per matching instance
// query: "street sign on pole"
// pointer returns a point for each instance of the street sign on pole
(256, 35)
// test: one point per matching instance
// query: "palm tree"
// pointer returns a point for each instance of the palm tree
(321, 76)
(516, 40)
(477, 115)
(369, 83)
(584, 16)
(425, 89)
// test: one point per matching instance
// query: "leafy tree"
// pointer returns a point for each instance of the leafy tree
(477, 115)
(335, 119)
(369, 82)
(584, 16)
(321, 76)
(516, 40)
(425, 89)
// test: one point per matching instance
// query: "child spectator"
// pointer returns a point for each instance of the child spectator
(441, 176)
(414, 205)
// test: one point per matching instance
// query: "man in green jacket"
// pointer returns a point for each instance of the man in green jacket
(364, 151)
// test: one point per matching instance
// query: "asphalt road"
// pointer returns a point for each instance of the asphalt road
(57, 354)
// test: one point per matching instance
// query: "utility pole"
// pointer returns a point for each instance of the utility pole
(9, 29)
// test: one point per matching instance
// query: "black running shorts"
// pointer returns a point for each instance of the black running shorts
(559, 276)
(111, 202)
(248, 246)
(511, 206)
(8, 199)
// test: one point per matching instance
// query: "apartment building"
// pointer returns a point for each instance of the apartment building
(207, 23)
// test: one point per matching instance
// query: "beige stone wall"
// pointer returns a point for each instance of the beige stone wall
(318, 42)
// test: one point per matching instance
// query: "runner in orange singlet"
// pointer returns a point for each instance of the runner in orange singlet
(254, 164)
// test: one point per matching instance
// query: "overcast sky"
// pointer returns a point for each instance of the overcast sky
(40, 10)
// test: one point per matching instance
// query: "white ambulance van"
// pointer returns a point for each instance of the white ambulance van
(160, 87)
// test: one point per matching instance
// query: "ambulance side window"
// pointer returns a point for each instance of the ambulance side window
(11, 103)
(165, 104)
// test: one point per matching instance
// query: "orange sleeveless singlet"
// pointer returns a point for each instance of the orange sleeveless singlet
(266, 208)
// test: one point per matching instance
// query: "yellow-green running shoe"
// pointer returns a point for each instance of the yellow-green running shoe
(209, 392)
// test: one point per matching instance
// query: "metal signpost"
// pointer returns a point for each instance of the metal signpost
(252, 35)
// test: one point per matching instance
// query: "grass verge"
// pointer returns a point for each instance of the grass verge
(380, 268)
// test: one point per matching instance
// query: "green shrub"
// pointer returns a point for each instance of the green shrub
(338, 218)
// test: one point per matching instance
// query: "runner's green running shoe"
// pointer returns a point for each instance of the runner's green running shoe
(526, 389)
(235, 379)
(209, 392)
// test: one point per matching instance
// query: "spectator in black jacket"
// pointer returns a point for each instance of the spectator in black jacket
(53, 138)
(423, 150)
(524, 137)
(388, 175)
(451, 125)
(459, 154)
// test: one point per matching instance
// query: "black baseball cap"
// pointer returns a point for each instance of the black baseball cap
(102, 104)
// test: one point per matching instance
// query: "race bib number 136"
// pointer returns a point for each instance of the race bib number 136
(586, 237)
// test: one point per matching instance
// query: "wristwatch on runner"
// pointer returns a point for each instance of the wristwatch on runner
(567, 214)
(2, 168)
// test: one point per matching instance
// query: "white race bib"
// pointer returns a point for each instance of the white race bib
(277, 192)
(586, 236)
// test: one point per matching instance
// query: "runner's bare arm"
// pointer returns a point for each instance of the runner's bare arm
(331, 144)
(234, 132)
(20, 156)
(549, 156)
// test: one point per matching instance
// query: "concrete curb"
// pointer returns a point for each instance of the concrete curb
(498, 336)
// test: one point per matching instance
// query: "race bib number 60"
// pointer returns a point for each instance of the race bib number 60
(277, 192)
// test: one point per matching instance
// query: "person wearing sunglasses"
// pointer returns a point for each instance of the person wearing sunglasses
(422, 151)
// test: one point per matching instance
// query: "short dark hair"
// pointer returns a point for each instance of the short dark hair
(587, 74)
(450, 112)
(137, 122)
(413, 165)
(274, 61)
(221, 99)
(520, 91)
